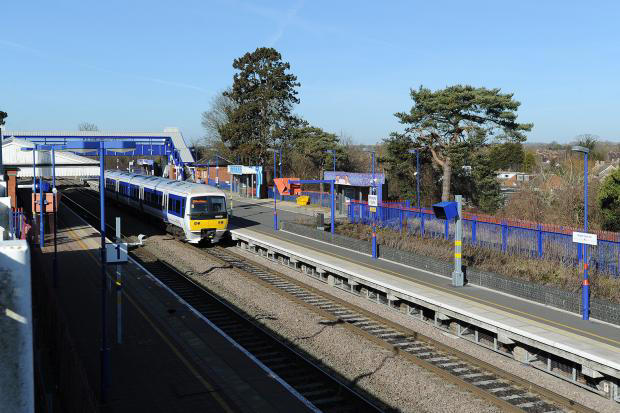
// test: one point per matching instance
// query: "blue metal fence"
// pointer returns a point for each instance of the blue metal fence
(316, 198)
(516, 238)
(222, 185)
(17, 221)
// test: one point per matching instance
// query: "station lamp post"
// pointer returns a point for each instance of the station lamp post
(373, 188)
(585, 285)
(101, 147)
(275, 210)
(333, 152)
(417, 175)
(34, 149)
(281, 176)
(53, 149)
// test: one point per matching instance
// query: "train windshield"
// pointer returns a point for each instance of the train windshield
(202, 205)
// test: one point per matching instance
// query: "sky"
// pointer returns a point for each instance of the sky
(146, 65)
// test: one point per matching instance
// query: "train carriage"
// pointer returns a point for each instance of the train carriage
(195, 212)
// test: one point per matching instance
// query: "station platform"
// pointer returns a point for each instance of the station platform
(590, 348)
(287, 206)
(169, 360)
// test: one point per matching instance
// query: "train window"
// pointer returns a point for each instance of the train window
(206, 204)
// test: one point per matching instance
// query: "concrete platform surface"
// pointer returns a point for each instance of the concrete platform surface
(597, 341)
(169, 360)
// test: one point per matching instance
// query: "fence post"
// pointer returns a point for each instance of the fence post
(474, 229)
(504, 235)
(446, 229)
(400, 216)
(579, 253)
(539, 239)
(421, 223)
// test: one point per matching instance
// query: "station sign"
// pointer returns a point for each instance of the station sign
(373, 200)
(116, 253)
(585, 238)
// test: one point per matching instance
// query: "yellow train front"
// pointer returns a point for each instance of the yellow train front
(194, 212)
(207, 218)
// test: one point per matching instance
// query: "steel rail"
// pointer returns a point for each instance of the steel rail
(545, 394)
(518, 382)
(343, 396)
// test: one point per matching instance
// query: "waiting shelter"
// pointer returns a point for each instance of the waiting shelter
(354, 186)
(246, 180)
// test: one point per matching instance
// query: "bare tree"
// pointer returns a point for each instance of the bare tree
(587, 140)
(214, 119)
(87, 127)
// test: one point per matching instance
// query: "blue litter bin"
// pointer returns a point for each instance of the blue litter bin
(446, 210)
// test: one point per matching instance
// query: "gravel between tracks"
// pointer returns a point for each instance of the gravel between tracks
(536, 376)
(387, 376)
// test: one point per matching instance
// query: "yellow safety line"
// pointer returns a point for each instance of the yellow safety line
(187, 364)
(457, 243)
(457, 255)
(480, 300)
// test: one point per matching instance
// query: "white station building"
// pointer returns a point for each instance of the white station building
(68, 164)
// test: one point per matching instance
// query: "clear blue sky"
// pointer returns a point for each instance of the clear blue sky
(144, 65)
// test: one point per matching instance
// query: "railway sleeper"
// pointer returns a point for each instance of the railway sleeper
(579, 374)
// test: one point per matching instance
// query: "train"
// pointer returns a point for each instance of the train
(194, 212)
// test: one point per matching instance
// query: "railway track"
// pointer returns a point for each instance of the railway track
(322, 388)
(509, 392)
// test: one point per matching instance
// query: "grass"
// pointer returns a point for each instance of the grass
(548, 272)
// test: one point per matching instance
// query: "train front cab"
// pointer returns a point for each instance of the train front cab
(208, 218)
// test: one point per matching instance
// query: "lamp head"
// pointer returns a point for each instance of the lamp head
(581, 149)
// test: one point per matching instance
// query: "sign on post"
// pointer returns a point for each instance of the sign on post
(585, 238)
(116, 253)
(373, 200)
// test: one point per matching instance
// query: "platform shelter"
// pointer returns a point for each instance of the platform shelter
(246, 180)
(353, 186)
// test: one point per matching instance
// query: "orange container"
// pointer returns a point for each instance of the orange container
(285, 188)
(48, 200)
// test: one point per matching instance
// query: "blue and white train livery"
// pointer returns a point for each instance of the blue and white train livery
(194, 211)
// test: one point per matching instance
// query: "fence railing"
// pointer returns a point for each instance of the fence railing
(222, 185)
(316, 197)
(17, 224)
(514, 237)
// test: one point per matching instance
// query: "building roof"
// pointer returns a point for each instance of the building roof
(211, 161)
(353, 178)
(12, 154)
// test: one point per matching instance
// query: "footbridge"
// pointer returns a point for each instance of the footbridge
(169, 143)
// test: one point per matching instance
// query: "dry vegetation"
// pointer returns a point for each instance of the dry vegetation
(546, 272)
(556, 197)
